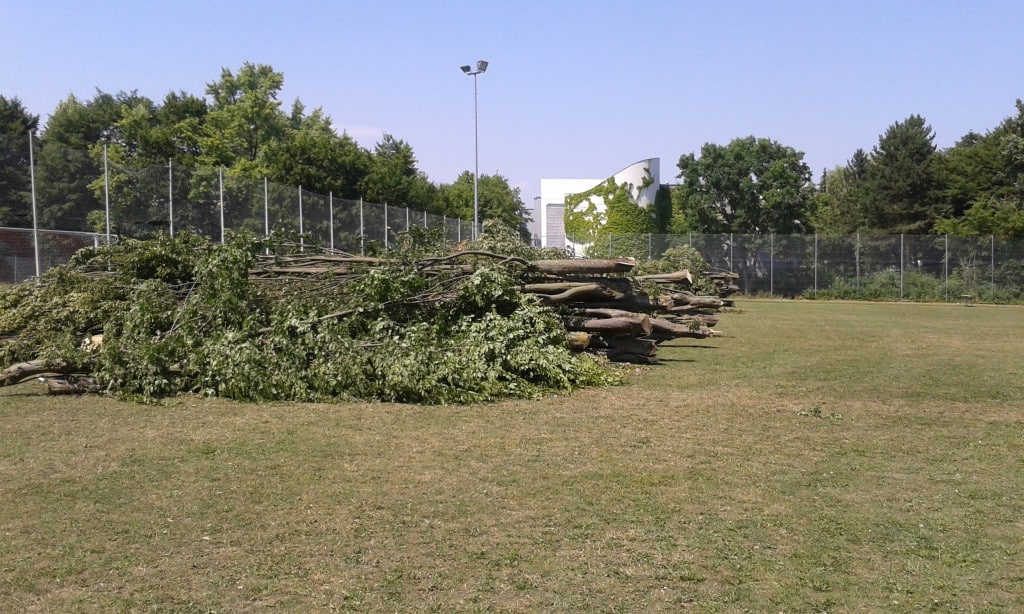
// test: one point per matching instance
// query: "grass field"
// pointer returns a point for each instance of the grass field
(821, 456)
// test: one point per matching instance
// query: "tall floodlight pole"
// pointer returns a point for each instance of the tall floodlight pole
(481, 66)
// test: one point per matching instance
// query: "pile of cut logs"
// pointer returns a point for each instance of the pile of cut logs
(607, 313)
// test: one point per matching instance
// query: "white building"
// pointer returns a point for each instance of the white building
(642, 178)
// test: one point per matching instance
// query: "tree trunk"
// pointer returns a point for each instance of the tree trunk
(582, 267)
(636, 324)
(705, 302)
(578, 340)
(16, 374)
(664, 328)
(678, 277)
(582, 293)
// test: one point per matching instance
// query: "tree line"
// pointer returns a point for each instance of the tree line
(904, 184)
(238, 125)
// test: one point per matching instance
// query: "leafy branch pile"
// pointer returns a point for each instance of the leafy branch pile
(185, 315)
(424, 325)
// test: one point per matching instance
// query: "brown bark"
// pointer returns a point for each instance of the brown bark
(71, 385)
(582, 293)
(636, 324)
(23, 371)
(607, 312)
(582, 266)
(664, 328)
(678, 277)
(632, 345)
(636, 303)
(578, 340)
(692, 300)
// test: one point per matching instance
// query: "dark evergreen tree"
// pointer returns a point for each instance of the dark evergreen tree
(901, 181)
(16, 124)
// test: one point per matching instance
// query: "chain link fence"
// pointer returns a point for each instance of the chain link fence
(85, 198)
(211, 202)
(18, 249)
(892, 267)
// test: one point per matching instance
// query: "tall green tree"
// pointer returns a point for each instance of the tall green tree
(901, 179)
(751, 185)
(393, 177)
(313, 155)
(70, 158)
(842, 201)
(245, 116)
(498, 201)
(16, 124)
(983, 179)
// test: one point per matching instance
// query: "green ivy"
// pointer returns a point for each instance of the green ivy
(622, 216)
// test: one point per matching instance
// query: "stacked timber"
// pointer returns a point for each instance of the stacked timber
(604, 308)
(606, 312)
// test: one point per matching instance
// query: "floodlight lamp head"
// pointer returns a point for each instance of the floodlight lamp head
(466, 69)
(481, 65)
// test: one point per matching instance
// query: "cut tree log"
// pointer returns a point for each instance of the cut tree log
(664, 328)
(636, 324)
(582, 267)
(581, 293)
(637, 303)
(631, 349)
(71, 385)
(678, 277)
(693, 300)
(578, 340)
(23, 371)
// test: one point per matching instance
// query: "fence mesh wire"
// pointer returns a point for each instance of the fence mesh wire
(910, 267)
(73, 194)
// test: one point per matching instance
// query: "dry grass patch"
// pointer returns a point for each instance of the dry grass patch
(823, 456)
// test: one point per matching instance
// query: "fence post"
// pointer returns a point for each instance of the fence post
(408, 221)
(362, 234)
(945, 269)
(302, 228)
(730, 252)
(856, 262)
(106, 191)
(425, 223)
(385, 226)
(266, 213)
(815, 264)
(650, 247)
(220, 184)
(170, 195)
(35, 216)
(992, 262)
(901, 266)
(330, 213)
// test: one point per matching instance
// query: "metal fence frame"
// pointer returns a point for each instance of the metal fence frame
(140, 202)
(898, 267)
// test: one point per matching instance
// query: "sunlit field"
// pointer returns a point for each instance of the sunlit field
(818, 456)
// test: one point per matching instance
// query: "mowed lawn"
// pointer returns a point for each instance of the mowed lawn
(819, 456)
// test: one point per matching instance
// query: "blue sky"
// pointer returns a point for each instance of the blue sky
(574, 88)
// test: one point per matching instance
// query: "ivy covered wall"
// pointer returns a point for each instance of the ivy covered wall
(624, 204)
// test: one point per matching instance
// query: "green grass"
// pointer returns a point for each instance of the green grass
(821, 456)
